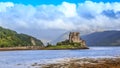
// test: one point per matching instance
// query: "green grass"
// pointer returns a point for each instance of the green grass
(59, 47)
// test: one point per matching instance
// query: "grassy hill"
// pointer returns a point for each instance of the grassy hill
(10, 38)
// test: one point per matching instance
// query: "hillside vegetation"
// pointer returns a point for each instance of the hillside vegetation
(10, 38)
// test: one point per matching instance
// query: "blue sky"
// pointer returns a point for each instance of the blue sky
(55, 2)
(48, 19)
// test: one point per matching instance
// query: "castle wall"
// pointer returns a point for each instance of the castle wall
(74, 37)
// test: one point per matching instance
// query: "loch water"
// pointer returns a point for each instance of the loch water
(24, 59)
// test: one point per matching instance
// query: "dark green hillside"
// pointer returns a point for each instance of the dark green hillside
(9, 38)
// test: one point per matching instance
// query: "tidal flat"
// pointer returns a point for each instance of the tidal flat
(86, 63)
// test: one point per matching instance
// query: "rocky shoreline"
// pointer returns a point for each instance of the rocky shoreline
(37, 48)
(20, 48)
(84, 63)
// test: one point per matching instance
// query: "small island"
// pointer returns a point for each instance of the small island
(74, 42)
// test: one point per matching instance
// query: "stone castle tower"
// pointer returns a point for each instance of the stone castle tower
(74, 37)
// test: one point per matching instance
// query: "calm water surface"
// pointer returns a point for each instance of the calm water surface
(24, 59)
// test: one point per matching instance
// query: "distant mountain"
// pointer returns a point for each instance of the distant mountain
(10, 38)
(106, 38)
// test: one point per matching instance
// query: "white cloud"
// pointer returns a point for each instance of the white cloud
(86, 17)
(59, 24)
(5, 6)
(68, 9)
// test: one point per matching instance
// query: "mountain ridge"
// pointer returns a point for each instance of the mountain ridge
(105, 38)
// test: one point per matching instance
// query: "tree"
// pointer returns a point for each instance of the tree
(48, 45)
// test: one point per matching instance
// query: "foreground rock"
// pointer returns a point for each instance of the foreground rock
(87, 63)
